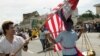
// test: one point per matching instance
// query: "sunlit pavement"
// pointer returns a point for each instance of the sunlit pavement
(35, 47)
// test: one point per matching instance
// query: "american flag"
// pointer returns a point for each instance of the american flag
(55, 23)
(68, 7)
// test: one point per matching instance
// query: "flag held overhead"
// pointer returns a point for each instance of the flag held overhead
(56, 23)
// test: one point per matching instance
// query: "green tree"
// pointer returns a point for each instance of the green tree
(88, 15)
(97, 16)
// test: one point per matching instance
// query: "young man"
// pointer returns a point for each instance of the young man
(68, 39)
(10, 43)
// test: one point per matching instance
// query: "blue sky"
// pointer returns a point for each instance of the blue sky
(14, 9)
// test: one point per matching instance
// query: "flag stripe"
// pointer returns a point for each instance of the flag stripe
(56, 24)
(56, 20)
(53, 26)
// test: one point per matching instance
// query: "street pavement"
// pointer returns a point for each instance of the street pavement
(35, 46)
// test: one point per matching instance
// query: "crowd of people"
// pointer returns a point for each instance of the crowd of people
(89, 27)
(12, 38)
(92, 27)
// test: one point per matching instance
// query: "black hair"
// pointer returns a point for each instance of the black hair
(69, 20)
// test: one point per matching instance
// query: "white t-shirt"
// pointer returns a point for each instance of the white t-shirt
(67, 39)
(6, 47)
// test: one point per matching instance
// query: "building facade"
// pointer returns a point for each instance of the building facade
(97, 8)
(29, 19)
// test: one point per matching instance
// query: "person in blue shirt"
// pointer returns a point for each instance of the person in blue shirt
(68, 39)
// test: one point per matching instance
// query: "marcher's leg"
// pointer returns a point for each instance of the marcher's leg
(43, 43)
